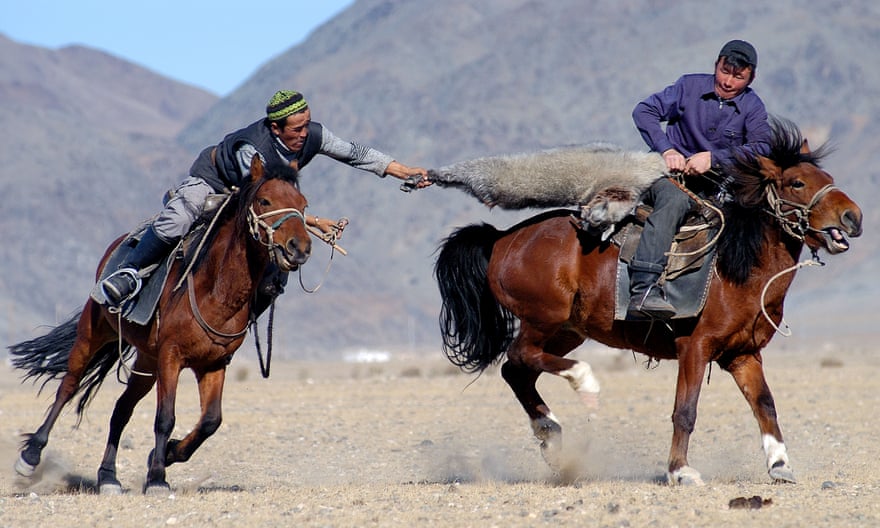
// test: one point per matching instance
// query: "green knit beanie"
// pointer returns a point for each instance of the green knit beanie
(285, 103)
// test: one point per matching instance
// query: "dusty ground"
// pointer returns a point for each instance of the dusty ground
(410, 443)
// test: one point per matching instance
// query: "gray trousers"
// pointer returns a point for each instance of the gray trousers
(181, 211)
(671, 205)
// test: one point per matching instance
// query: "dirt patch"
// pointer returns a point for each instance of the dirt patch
(414, 442)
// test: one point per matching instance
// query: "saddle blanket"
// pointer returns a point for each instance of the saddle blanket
(140, 309)
(688, 270)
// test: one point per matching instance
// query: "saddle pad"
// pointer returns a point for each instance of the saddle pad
(140, 309)
(687, 277)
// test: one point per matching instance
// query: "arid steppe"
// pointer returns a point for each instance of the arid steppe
(412, 442)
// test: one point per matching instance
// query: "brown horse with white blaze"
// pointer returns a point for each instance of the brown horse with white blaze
(541, 288)
(198, 326)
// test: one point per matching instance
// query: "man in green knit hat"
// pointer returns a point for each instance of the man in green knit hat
(286, 135)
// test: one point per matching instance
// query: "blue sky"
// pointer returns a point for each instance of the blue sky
(213, 45)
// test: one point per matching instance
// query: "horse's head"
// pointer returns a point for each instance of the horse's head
(802, 196)
(276, 215)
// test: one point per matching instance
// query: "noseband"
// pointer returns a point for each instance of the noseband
(784, 210)
(257, 223)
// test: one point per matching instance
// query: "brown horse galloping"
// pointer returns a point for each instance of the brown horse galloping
(559, 284)
(199, 326)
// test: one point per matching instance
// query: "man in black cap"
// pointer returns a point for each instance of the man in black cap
(287, 135)
(710, 118)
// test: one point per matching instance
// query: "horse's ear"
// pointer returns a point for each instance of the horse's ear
(805, 147)
(256, 168)
(769, 169)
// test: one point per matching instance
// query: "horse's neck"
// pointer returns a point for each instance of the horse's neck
(234, 268)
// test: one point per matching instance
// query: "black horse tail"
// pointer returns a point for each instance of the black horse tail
(476, 329)
(46, 357)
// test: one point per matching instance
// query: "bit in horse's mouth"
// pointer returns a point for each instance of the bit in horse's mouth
(834, 240)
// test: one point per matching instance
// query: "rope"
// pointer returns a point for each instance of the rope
(811, 262)
(264, 369)
(702, 203)
(204, 238)
(198, 315)
(125, 368)
(329, 239)
(333, 249)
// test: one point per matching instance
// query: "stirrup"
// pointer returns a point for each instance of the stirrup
(637, 307)
(133, 276)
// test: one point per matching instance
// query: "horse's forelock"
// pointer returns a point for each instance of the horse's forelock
(249, 189)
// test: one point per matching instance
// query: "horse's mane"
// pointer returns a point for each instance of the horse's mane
(739, 250)
(237, 210)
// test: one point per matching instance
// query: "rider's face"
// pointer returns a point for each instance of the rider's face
(730, 82)
(295, 130)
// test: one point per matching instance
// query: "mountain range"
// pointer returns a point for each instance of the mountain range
(91, 142)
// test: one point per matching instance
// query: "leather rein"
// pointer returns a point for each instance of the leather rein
(257, 225)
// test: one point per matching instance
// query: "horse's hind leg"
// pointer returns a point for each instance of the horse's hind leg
(748, 372)
(210, 395)
(138, 386)
(526, 361)
(81, 353)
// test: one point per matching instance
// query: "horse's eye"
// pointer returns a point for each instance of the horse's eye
(797, 184)
(264, 202)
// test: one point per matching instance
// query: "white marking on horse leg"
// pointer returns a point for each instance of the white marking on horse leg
(685, 476)
(23, 468)
(777, 460)
(582, 380)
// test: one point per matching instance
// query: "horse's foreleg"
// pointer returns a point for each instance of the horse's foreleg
(210, 395)
(166, 393)
(138, 386)
(691, 368)
(748, 372)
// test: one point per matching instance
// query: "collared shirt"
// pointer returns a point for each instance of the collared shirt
(697, 120)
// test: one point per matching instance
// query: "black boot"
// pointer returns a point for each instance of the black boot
(647, 298)
(125, 282)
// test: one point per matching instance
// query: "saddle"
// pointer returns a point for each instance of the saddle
(140, 309)
(688, 269)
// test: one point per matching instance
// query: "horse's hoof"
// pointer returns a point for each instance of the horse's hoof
(157, 490)
(23, 468)
(782, 474)
(110, 488)
(552, 455)
(685, 476)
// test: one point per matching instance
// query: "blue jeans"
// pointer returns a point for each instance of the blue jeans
(671, 205)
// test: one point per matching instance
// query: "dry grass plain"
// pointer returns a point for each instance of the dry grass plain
(411, 443)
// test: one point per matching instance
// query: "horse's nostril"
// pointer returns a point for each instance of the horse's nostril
(294, 247)
(852, 220)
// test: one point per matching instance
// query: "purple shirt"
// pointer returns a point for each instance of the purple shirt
(697, 120)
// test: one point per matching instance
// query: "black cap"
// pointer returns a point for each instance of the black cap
(741, 50)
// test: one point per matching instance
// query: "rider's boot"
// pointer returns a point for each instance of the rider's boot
(647, 298)
(123, 283)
